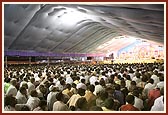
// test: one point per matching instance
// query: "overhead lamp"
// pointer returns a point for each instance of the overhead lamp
(72, 17)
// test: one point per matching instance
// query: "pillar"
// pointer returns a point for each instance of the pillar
(29, 61)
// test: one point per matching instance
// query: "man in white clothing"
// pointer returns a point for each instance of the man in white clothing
(31, 85)
(159, 102)
(51, 97)
(21, 96)
(33, 100)
(59, 105)
(12, 89)
(81, 84)
(138, 103)
(149, 86)
(69, 79)
(72, 101)
(155, 77)
(161, 83)
(93, 79)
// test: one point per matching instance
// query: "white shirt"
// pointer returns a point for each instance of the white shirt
(155, 78)
(36, 77)
(21, 99)
(51, 98)
(11, 90)
(128, 83)
(160, 84)
(148, 87)
(158, 104)
(31, 87)
(23, 82)
(105, 79)
(60, 106)
(131, 75)
(33, 102)
(137, 80)
(138, 103)
(60, 87)
(93, 79)
(81, 85)
(87, 77)
(40, 94)
(69, 80)
(98, 88)
(9, 108)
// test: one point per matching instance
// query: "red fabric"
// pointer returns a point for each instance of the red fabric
(128, 107)
(153, 94)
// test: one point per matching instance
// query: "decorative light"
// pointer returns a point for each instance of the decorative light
(72, 17)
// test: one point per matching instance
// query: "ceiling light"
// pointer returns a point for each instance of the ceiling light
(72, 17)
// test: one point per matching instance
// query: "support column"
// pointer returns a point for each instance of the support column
(48, 61)
(29, 61)
(6, 61)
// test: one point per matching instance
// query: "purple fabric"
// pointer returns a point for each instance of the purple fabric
(29, 53)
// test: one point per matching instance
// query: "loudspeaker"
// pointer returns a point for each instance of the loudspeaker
(89, 58)
(33, 59)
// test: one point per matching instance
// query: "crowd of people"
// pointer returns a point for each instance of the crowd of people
(103, 87)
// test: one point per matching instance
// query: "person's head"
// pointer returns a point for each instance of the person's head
(25, 108)
(133, 83)
(109, 102)
(32, 79)
(81, 91)
(110, 90)
(62, 82)
(25, 85)
(117, 87)
(25, 79)
(43, 105)
(34, 93)
(77, 78)
(131, 71)
(102, 82)
(81, 103)
(136, 93)
(43, 89)
(13, 82)
(72, 108)
(59, 96)
(130, 99)
(144, 78)
(161, 76)
(151, 81)
(155, 72)
(137, 74)
(10, 101)
(7, 79)
(73, 85)
(91, 88)
(123, 84)
(128, 77)
(83, 81)
(68, 86)
(68, 72)
(95, 108)
(96, 83)
(103, 95)
(23, 90)
(103, 73)
(162, 91)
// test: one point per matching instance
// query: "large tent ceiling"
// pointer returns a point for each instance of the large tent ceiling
(79, 28)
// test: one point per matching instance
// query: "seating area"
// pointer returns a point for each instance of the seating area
(84, 87)
(83, 57)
